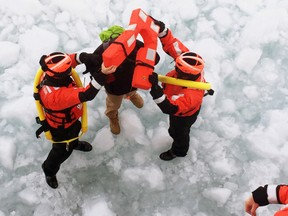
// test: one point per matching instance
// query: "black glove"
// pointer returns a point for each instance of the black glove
(160, 24)
(91, 61)
(260, 196)
(156, 91)
(153, 79)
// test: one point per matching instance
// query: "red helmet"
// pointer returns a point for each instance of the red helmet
(190, 63)
(57, 64)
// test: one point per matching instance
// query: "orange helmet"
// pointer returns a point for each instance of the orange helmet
(190, 63)
(57, 64)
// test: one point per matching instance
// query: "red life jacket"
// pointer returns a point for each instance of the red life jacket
(117, 52)
(61, 105)
(188, 100)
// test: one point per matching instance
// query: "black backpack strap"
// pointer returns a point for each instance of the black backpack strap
(106, 44)
(44, 127)
(138, 62)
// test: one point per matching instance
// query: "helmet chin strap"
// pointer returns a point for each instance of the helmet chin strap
(52, 63)
(188, 76)
(57, 82)
(202, 76)
(42, 63)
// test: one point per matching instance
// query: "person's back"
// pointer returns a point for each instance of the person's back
(119, 82)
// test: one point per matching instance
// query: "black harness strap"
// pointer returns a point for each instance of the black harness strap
(62, 121)
(44, 127)
(138, 62)
(44, 124)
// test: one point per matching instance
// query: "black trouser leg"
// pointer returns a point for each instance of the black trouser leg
(179, 130)
(59, 152)
(56, 157)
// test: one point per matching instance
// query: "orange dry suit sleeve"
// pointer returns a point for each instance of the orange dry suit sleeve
(172, 46)
(271, 194)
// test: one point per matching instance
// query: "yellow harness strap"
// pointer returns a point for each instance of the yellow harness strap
(68, 141)
(40, 111)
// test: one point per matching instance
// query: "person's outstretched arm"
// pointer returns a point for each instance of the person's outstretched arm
(251, 206)
(171, 45)
(265, 195)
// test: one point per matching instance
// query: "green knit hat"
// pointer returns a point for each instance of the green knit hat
(112, 32)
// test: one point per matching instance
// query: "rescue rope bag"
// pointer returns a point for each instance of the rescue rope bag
(41, 119)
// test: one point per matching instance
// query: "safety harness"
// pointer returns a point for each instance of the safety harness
(41, 118)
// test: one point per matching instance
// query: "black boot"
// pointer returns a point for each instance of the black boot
(83, 146)
(168, 155)
(51, 180)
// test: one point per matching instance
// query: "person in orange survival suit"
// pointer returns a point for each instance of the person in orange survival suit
(119, 84)
(180, 103)
(269, 194)
(62, 102)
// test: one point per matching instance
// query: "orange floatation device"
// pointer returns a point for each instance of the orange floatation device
(116, 53)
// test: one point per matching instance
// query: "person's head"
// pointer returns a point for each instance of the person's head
(189, 65)
(56, 65)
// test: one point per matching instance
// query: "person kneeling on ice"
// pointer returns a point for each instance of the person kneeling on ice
(62, 102)
(182, 104)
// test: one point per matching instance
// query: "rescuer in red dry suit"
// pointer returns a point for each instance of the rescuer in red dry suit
(62, 103)
(182, 104)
